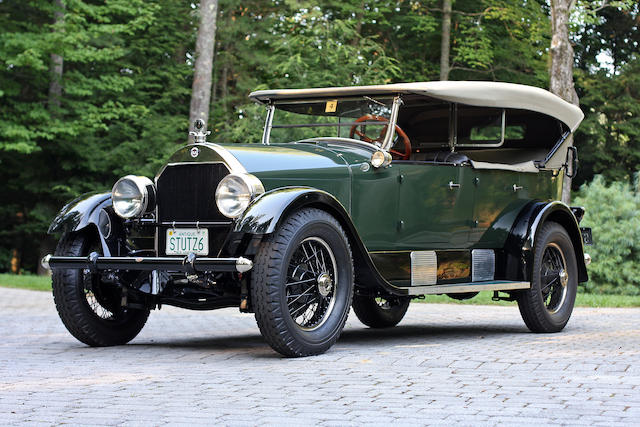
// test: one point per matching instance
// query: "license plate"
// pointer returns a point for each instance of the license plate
(587, 238)
(183, 241)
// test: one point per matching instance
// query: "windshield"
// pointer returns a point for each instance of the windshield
(363, 118)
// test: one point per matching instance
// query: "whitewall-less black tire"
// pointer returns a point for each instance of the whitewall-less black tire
(548, 305)
(89, 309)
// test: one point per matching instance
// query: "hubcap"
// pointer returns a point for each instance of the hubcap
(325, 284)
(564, 277)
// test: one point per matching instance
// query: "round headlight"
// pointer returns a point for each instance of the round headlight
(235, 192)
(132, 196)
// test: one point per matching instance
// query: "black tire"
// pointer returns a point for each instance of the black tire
(548, 304)
(284, 285)
(94, 316)
(380, 312)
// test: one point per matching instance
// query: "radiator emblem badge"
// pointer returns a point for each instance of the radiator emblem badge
(194, 152)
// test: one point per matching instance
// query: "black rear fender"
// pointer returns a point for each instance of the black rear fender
(518, 257)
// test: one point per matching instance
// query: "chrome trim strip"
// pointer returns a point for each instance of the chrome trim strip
(388, 138)
(493, 145)
(194, 223)
(227, 157)
(467, 287)
(268, 124)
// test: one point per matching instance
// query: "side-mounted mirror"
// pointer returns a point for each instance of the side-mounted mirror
(573, 162)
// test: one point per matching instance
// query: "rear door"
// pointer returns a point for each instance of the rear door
(499, 198)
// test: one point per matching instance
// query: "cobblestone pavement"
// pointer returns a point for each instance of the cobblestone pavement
(444, 364)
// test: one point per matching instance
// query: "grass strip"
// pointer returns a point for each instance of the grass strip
(43, 283)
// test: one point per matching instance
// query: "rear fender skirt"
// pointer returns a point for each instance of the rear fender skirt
(84, 212)
(266, 213)
(517, 259)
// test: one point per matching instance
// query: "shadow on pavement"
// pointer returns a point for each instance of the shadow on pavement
(410, 335)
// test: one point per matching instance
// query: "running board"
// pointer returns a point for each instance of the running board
(458, 288)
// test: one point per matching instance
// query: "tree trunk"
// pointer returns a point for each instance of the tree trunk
(201, 88)
(446, 39)
(561, 74)
(57, 62)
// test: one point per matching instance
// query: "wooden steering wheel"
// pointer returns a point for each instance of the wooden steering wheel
(370, 118)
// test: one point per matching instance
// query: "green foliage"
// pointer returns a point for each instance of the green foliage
(126, 81)
(120, 86)
(609, 136)
(613, 212)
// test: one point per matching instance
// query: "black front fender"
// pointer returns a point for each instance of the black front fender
(522, 238)
(268, 211)
(84, 212)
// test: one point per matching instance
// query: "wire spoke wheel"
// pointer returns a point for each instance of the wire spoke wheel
(311, 283)
(93, 295)
(103, 299)
(548, 304)
(91, 309)
(554, 278)
(302, 284)
(382, 311)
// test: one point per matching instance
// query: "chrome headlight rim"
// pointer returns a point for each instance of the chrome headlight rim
(252, 188)
(142, 184)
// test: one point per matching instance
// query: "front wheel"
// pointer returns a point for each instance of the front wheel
(302, 284)
(90, 309)
(548, 304)
(380, 312)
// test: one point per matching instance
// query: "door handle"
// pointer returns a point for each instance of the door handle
(516, 187)
(453, 185)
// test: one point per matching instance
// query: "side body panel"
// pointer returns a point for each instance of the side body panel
(435, 206)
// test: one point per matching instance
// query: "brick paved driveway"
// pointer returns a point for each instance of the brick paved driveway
(444, 364)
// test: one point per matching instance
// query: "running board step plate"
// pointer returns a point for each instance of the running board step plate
(456, 288)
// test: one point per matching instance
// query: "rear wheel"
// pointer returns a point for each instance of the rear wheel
(90, 309)
(380, 312)
(548, 304)
(302, 284)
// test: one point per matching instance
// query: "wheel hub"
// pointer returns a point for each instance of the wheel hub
(325, 284)
(564, 277)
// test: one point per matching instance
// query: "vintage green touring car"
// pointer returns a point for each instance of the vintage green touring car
(363, 197)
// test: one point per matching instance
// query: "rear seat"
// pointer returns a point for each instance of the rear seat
(441, 157)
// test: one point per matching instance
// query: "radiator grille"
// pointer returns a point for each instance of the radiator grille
(186, 192)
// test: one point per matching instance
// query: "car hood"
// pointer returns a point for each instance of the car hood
(258, 158)
(265, 159)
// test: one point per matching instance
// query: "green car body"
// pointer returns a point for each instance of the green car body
(437, 218)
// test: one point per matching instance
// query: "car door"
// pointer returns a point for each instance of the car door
(499, 198)
(435, 205)
(374, 205)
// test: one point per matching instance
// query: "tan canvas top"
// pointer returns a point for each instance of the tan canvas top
(476, 93)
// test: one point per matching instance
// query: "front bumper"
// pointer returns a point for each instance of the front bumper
(190, 264)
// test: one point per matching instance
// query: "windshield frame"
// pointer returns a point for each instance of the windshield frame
(385, 145)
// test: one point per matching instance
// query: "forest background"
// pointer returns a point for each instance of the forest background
(91, 90)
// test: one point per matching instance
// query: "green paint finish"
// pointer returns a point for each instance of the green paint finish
(435, 205)
(374, 207)
(496, 206)
(406, 206)
(499, 198)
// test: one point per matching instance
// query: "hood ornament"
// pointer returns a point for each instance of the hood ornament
(199, 135)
